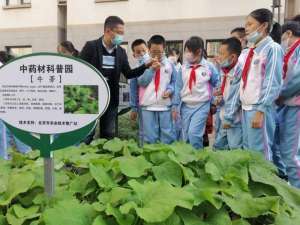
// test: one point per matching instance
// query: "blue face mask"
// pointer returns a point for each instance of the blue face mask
(144, 59)
(225, 64)
(118, 39)
(254, 37)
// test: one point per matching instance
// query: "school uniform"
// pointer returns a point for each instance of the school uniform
(156, 111)
(289, 125)
(260, 73)
(134, 98)
(193, 95)
(229, 138)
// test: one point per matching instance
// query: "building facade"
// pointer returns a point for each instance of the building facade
(39, 25)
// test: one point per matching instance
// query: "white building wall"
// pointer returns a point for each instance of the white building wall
(43, 13)
(89, 12)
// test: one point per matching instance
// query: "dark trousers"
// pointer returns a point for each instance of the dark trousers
(108, 125)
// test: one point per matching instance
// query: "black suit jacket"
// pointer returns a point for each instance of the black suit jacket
(92, 53)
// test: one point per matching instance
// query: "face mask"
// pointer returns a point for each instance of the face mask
(173, 59)
(118, 39)
(189, 57)
(144, 58)
(225, 64)
(254, 36)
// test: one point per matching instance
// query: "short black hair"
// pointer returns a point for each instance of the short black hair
(158, 40)
(69, 46)
(293, 26)
(137, 42)
(194, 44)
(240, 30)
(234, 45)
(112, 22)
(177, 52)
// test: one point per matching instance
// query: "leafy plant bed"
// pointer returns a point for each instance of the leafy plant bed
(115, 182)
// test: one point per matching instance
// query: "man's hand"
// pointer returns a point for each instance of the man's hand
(257, 121)
(218, 100)
(150, 62)
(166, 94)
(156, 65)
(133, 115)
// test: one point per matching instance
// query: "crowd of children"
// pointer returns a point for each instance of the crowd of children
(253, 85)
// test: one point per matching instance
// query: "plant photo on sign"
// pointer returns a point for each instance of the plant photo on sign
(81, 99)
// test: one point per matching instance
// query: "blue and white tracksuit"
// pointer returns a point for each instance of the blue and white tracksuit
(178, 122)
(263, 87)
(156, 111)
(229, 138)
(134, 102)
(194, 104)
(290, 120)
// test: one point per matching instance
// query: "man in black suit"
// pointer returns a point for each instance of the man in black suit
(111, 60)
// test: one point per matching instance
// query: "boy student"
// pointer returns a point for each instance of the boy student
(230, 133)
(156, 87)
(240, 33)
(141, 56)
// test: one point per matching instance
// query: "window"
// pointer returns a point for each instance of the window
(17, 51)
(17, 4)
(212, 47)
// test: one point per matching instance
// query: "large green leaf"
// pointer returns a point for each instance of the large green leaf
(170, 172)
(290, 194)
(18, 215)
(69, 213)
(99, 221)
(241, 222)
(17, 183)
(79, 183)
(190, 218)
(157, 200)
(101, 176)
(205, 189)
(120, 218)
(114, 145)
(114, 196)
(134, 166)
(183, 152)
(25, 212)
(248, 207)
(3, 220)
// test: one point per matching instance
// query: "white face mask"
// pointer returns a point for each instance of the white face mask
(173, 59)
(189, 57)
(254, 36)
(144, 58)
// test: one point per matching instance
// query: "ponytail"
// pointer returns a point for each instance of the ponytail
(276, 32)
